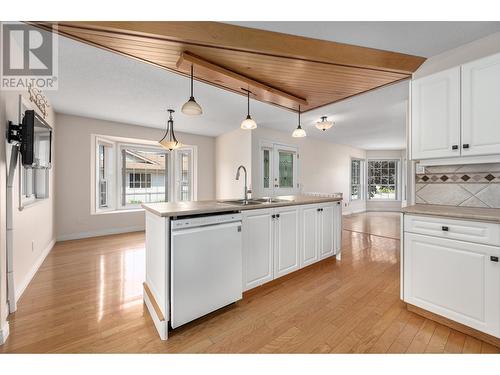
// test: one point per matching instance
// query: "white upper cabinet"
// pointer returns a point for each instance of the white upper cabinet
(435, 113)
(456, 113)
(481, 107)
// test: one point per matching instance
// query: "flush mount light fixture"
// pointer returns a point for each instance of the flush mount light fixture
(299, 132)
(324, 124)
(169, 141)
(248, 123)
(191, 108)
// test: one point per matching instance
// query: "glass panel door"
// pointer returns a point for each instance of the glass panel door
(285, 170)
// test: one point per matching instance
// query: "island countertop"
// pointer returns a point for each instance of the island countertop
(166, 209)
(467, 213)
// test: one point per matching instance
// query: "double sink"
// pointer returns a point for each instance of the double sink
(254, 202)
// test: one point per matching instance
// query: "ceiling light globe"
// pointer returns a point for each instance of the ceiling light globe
(191, 108)
(324, 124)
(299, 133)
(248, 123)
(170, 145)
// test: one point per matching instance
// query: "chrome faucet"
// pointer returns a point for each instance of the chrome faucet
(247, 191)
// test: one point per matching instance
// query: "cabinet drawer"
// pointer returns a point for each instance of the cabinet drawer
(464, 230)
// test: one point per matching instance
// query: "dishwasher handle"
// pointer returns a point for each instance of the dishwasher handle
(207, 227)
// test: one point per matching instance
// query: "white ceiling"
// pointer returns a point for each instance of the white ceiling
(421, 38)
(99, 84)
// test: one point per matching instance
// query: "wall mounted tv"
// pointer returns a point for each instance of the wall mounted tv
(36, 141)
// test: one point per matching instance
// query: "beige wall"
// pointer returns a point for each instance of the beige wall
(3, 184)
(34, 233)
(324, 166)
(73, 182)
(232, 150)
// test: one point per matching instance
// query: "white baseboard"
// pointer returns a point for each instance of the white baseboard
(24, 284)
(98, 233)
(4, 332)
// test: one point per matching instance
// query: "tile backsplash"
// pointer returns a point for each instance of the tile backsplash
(475, 185)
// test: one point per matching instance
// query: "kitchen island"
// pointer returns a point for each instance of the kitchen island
(202, 255)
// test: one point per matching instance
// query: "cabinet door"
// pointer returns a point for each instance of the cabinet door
(327, 230)
(337, 224)
(257, 234)
(458, 280)
(481, 107)
(286, 250)
(310, 235)
(435, 115)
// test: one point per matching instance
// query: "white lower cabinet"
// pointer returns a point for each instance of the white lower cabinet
(286, 237)
(456, 279)
(282, 240)
(258, 242)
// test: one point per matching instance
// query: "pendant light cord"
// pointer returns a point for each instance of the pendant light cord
(299, 118)
(248, 102)
(191, 80)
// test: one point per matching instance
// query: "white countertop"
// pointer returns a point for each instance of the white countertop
(471, 213)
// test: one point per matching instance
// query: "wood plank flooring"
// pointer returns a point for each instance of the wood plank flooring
(87, 298)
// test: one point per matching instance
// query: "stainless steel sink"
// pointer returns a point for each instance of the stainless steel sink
(271, 200)
(242, 202)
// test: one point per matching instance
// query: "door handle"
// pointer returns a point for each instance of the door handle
(494, 258)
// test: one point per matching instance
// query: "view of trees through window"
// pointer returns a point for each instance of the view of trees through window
(382, 179)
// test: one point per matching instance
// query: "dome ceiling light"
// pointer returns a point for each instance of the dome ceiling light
(324, 124)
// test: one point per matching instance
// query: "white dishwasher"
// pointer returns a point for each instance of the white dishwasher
(205, 265)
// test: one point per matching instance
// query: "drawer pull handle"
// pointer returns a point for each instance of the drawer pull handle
(444, 228)
(454, 147)
(465, 145)
(493, 258)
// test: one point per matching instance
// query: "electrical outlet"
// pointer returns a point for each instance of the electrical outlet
(32, 246)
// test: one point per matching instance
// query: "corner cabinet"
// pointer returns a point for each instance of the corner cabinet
(455, 113)
(448, 276)
(282, 240)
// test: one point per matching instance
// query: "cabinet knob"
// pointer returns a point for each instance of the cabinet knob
(454, 147)
(494, 258)
(318, 209)
(465, 145)
(444, 228)
(273, 216)
(278, 216)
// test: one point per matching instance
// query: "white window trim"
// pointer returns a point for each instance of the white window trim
(362, 179)
(398, 180)
(114, 191)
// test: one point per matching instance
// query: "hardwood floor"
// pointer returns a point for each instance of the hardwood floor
(87, 298)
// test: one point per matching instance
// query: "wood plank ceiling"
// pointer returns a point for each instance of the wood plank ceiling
(279, 69)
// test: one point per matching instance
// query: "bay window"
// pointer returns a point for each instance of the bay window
(383, 179)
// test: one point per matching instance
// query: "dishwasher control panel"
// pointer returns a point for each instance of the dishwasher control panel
(203, 220)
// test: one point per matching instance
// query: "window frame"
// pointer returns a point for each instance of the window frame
(362, 172)
(397, 181)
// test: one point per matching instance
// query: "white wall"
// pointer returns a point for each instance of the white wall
(232, 150)
(3, 185)
(324, 167)
(34, 226)
(468, 52)
(73, 182)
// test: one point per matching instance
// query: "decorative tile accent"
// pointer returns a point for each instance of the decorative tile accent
(475, 185)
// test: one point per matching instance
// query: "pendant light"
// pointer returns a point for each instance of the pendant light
(299, 132)
(248, 123)
(324, 124)
(169, 141)
(191, 108)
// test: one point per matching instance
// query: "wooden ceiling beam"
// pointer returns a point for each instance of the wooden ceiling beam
(231, 79)
(238, 38)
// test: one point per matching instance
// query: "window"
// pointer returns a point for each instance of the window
(130, 172)
(286, 169)
(144, 176)
(356, 176)
(382, 179)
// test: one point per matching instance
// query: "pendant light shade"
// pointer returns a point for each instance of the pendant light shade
(299, 132)
(324, 124)
(191, 108)
(248, 123)
(169, 141)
